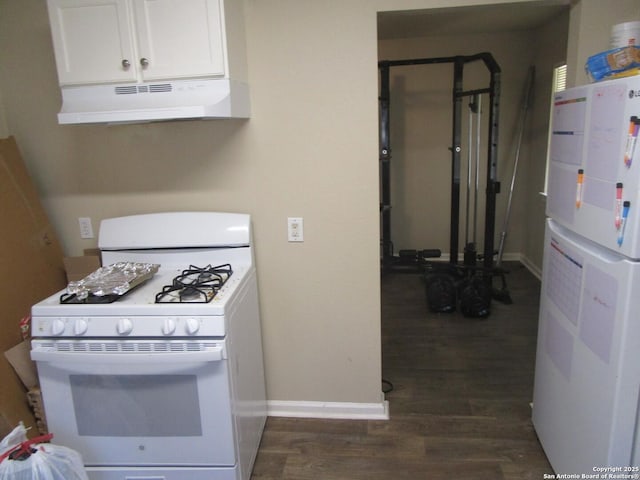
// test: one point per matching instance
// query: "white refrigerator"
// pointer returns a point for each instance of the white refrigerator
(587, 375)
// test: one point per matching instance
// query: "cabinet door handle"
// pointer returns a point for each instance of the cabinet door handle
(126, 64)
(144, 62)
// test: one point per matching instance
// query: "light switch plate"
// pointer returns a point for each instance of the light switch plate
(295, 229)
(86, 229)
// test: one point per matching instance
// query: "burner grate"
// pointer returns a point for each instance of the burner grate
(73, 299)
(195, 285)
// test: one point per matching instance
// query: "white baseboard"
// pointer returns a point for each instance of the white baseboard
(337, 410)
(535, 270)
(512, 257)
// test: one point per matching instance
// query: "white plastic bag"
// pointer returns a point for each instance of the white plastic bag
(17, 436)
(23, 459)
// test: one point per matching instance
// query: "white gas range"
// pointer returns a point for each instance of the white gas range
(164, 381)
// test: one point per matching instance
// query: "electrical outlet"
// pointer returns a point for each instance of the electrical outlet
(86, 230)
(295, 230)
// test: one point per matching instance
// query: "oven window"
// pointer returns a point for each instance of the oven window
(136, 405)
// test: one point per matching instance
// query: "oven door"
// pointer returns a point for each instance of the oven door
(138, 402)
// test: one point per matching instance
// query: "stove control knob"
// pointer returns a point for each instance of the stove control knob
(168, 326)
(80, 326)
(124, 326)
(57, 327)
(192, 326)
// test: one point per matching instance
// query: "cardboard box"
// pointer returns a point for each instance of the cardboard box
(34, 396)
(31, 260)
(79, 267)
(20, 359)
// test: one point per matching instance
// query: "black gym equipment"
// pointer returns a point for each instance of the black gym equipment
(469, 284)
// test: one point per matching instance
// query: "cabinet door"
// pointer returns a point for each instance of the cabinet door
(179, 38)
(92, 41)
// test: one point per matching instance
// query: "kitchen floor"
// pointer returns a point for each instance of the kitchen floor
(460, 405)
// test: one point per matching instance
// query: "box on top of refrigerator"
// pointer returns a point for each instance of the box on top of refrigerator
(594, 171)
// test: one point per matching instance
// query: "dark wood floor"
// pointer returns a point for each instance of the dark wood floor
(460, 407)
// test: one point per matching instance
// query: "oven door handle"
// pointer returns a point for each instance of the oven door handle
(153, 358)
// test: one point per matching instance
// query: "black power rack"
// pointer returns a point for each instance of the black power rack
(469, 272)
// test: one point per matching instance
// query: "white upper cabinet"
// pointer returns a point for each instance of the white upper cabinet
(179, 38)
(107, 41)
(92, 41)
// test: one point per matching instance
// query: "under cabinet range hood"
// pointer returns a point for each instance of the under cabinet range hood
(154, 101)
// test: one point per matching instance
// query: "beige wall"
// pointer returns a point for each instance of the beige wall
(4, 129)
(310, 150)
(551, 44)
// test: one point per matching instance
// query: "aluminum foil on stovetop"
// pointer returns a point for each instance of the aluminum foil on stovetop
(115, 279)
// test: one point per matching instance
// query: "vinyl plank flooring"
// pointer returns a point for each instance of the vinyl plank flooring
(460, 406)
(366, 468)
